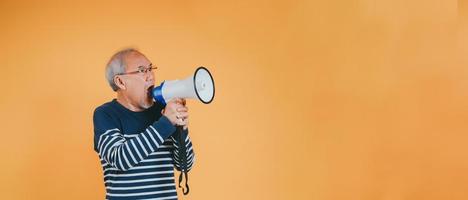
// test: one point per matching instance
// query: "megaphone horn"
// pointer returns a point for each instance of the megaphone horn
(198, 86)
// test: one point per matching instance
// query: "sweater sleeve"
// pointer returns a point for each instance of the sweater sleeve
(122, 153)
(190, 154)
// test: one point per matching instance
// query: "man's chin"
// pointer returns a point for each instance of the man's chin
(148, 102)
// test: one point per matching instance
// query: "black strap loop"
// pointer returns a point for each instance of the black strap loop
(183, 158)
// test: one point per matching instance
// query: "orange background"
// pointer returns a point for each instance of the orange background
(317, 99)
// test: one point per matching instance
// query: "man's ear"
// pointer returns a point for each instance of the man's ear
(119, 82)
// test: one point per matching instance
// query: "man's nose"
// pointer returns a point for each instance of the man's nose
(150, 77)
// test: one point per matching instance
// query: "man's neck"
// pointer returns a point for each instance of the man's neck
(127, 103)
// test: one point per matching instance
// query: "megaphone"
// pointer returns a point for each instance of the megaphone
(198, 86)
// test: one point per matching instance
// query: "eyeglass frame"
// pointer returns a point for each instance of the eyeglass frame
(142, 70)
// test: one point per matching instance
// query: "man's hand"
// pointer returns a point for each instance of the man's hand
(177, 112)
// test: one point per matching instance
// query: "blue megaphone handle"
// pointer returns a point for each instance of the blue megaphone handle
(157, 94)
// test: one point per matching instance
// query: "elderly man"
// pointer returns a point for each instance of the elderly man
(133, 135)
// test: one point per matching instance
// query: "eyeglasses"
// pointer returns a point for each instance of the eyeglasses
(141, 70)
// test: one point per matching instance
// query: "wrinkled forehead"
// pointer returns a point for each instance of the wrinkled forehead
(136, 60)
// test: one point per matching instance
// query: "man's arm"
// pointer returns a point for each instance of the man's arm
(190, 154)
(122, 153)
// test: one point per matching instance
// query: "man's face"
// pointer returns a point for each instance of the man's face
(138, 85)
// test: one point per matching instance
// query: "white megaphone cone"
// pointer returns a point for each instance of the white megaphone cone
(198, 86)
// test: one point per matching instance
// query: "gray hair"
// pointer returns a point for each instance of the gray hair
(117, 65)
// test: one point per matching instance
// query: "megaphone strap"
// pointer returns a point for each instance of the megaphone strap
(187, 189)
(183, 156)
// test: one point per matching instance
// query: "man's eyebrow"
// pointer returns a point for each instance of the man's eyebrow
(142, 67)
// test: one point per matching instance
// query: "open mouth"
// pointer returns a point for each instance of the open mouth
(150, 91)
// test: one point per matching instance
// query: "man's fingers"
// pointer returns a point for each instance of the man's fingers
(182, 109)
(183, 115)
(178, 110)
(174, 106)
(182, 122)
(179, 100)
(182, 101)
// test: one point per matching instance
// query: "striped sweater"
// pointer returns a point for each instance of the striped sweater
(138, 152)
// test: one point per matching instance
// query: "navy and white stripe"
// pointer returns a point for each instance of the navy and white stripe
(190, 155)
(137, 165)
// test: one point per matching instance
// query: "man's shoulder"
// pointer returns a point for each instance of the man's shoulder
(114, 108)
(108, 107)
